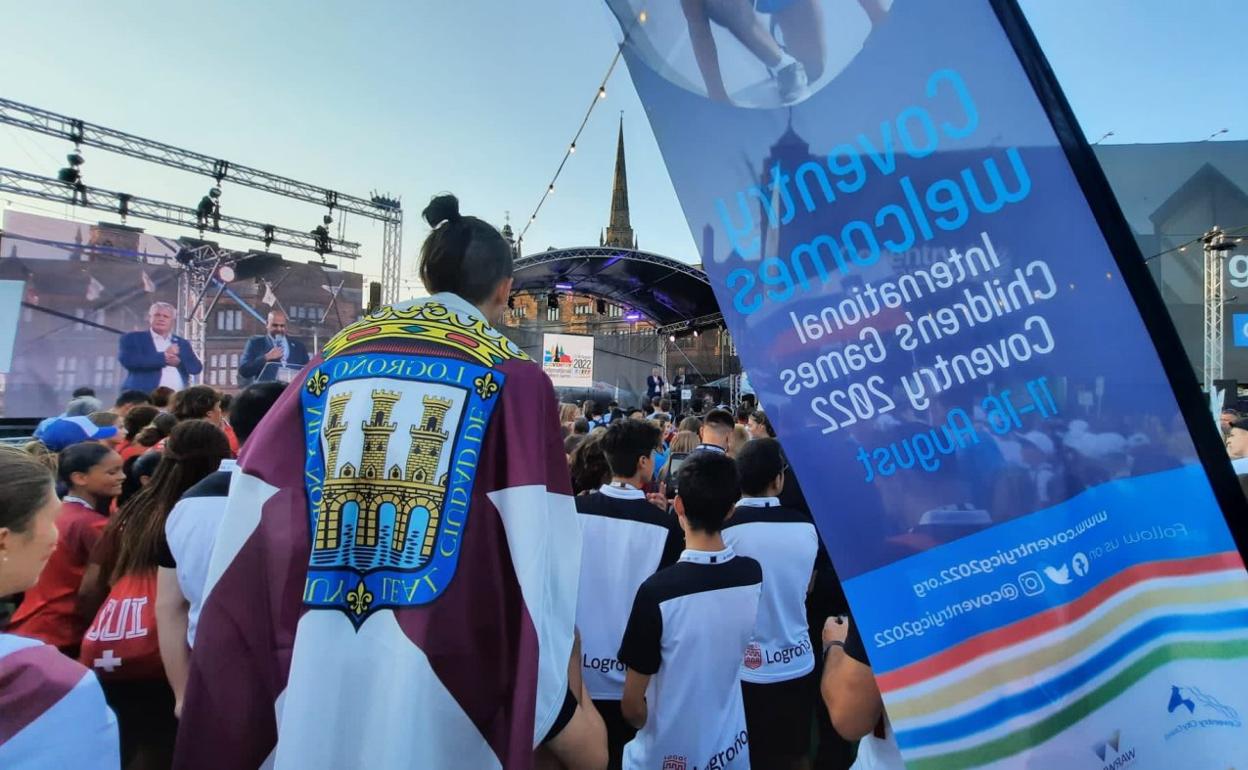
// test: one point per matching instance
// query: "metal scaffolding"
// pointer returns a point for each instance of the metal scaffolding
(126, 205)
(380, 208)
(1216, 246)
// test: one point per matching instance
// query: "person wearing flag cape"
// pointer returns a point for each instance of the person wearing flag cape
(394, 581)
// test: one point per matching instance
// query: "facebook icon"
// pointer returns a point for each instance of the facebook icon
(1239, 322)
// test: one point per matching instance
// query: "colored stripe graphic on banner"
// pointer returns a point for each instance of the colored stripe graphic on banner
(966, 686)
(1050, 619)
(1044, 693)
(1033, 735)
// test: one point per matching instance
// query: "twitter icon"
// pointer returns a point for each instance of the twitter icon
(1059, 575)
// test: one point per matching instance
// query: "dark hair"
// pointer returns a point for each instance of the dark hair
(194, 450)
(636, 410)
(759, 462)
(691, 424)
(252, 405)
(25, 484)
(195, 402)
(665, 405)
(626, 442)
(616, 413)
(572, 442)
(762, 419)
(580, 426)
(80, 458)
(160, 396)
(226, 400)
(612, 404)
(139, 418)
(136, 468)
(708, 486)
(720, 418)
(588, 465)
(132, 397)
(463, 255)
(80, 392)
(160, 427)
(744, 412)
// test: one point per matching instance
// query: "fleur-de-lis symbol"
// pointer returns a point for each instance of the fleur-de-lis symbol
(486, 385)
(317, 382)
(359, 599)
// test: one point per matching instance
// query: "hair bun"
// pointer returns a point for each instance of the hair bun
(443, 208)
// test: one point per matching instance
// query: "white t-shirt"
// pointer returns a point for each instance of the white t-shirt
(624, 540)
(879, 753)
(784, 543)
(170, 377)
(688, 630)
(191, 531)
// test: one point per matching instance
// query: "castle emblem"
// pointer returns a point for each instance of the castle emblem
(391, 461)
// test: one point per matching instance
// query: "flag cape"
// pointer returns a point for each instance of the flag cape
(52, 711)
(394, 581)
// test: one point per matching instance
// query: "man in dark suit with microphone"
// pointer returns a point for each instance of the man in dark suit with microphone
(156, 356)
(271, 348)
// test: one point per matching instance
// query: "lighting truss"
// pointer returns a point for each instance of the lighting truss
(126, 205)
(378, 207)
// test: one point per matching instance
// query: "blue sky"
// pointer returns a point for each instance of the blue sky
(480, 97)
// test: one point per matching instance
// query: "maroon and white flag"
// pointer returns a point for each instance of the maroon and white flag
(394, 582)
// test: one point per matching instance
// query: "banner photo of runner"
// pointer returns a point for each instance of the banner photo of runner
(568, 359)
(958, 367)
(84, 296)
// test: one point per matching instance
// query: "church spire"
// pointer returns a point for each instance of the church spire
(619, 232)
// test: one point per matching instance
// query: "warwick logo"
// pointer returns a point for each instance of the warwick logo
(391, 462)
(1108, 751)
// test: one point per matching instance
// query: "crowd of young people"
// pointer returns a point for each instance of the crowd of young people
(116, 482)
(705, 608)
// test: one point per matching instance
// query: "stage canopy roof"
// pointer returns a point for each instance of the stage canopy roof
(671, 294)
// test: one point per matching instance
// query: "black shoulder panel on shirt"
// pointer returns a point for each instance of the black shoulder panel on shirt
(641, 510)
(216, 484)
(776, 514)
(684, 578)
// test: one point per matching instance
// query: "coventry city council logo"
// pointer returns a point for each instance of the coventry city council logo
(392, 447)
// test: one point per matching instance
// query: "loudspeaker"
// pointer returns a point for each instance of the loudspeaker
(374, 296)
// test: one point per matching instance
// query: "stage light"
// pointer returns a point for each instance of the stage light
(550, 190)
(642, 17)
(327, 219)
(564, 286)
(671, 338)
(572, 149)
(225, 274)
(695, 332)
(633, 317)
(602, 92)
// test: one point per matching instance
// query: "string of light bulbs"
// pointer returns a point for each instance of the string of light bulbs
(570, 150)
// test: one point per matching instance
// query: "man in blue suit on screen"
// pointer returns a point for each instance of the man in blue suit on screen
(273, 347)
(157, 356)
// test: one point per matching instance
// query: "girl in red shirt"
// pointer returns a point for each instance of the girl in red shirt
(92, 473)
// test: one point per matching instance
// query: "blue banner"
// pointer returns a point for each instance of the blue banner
(928, 306)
